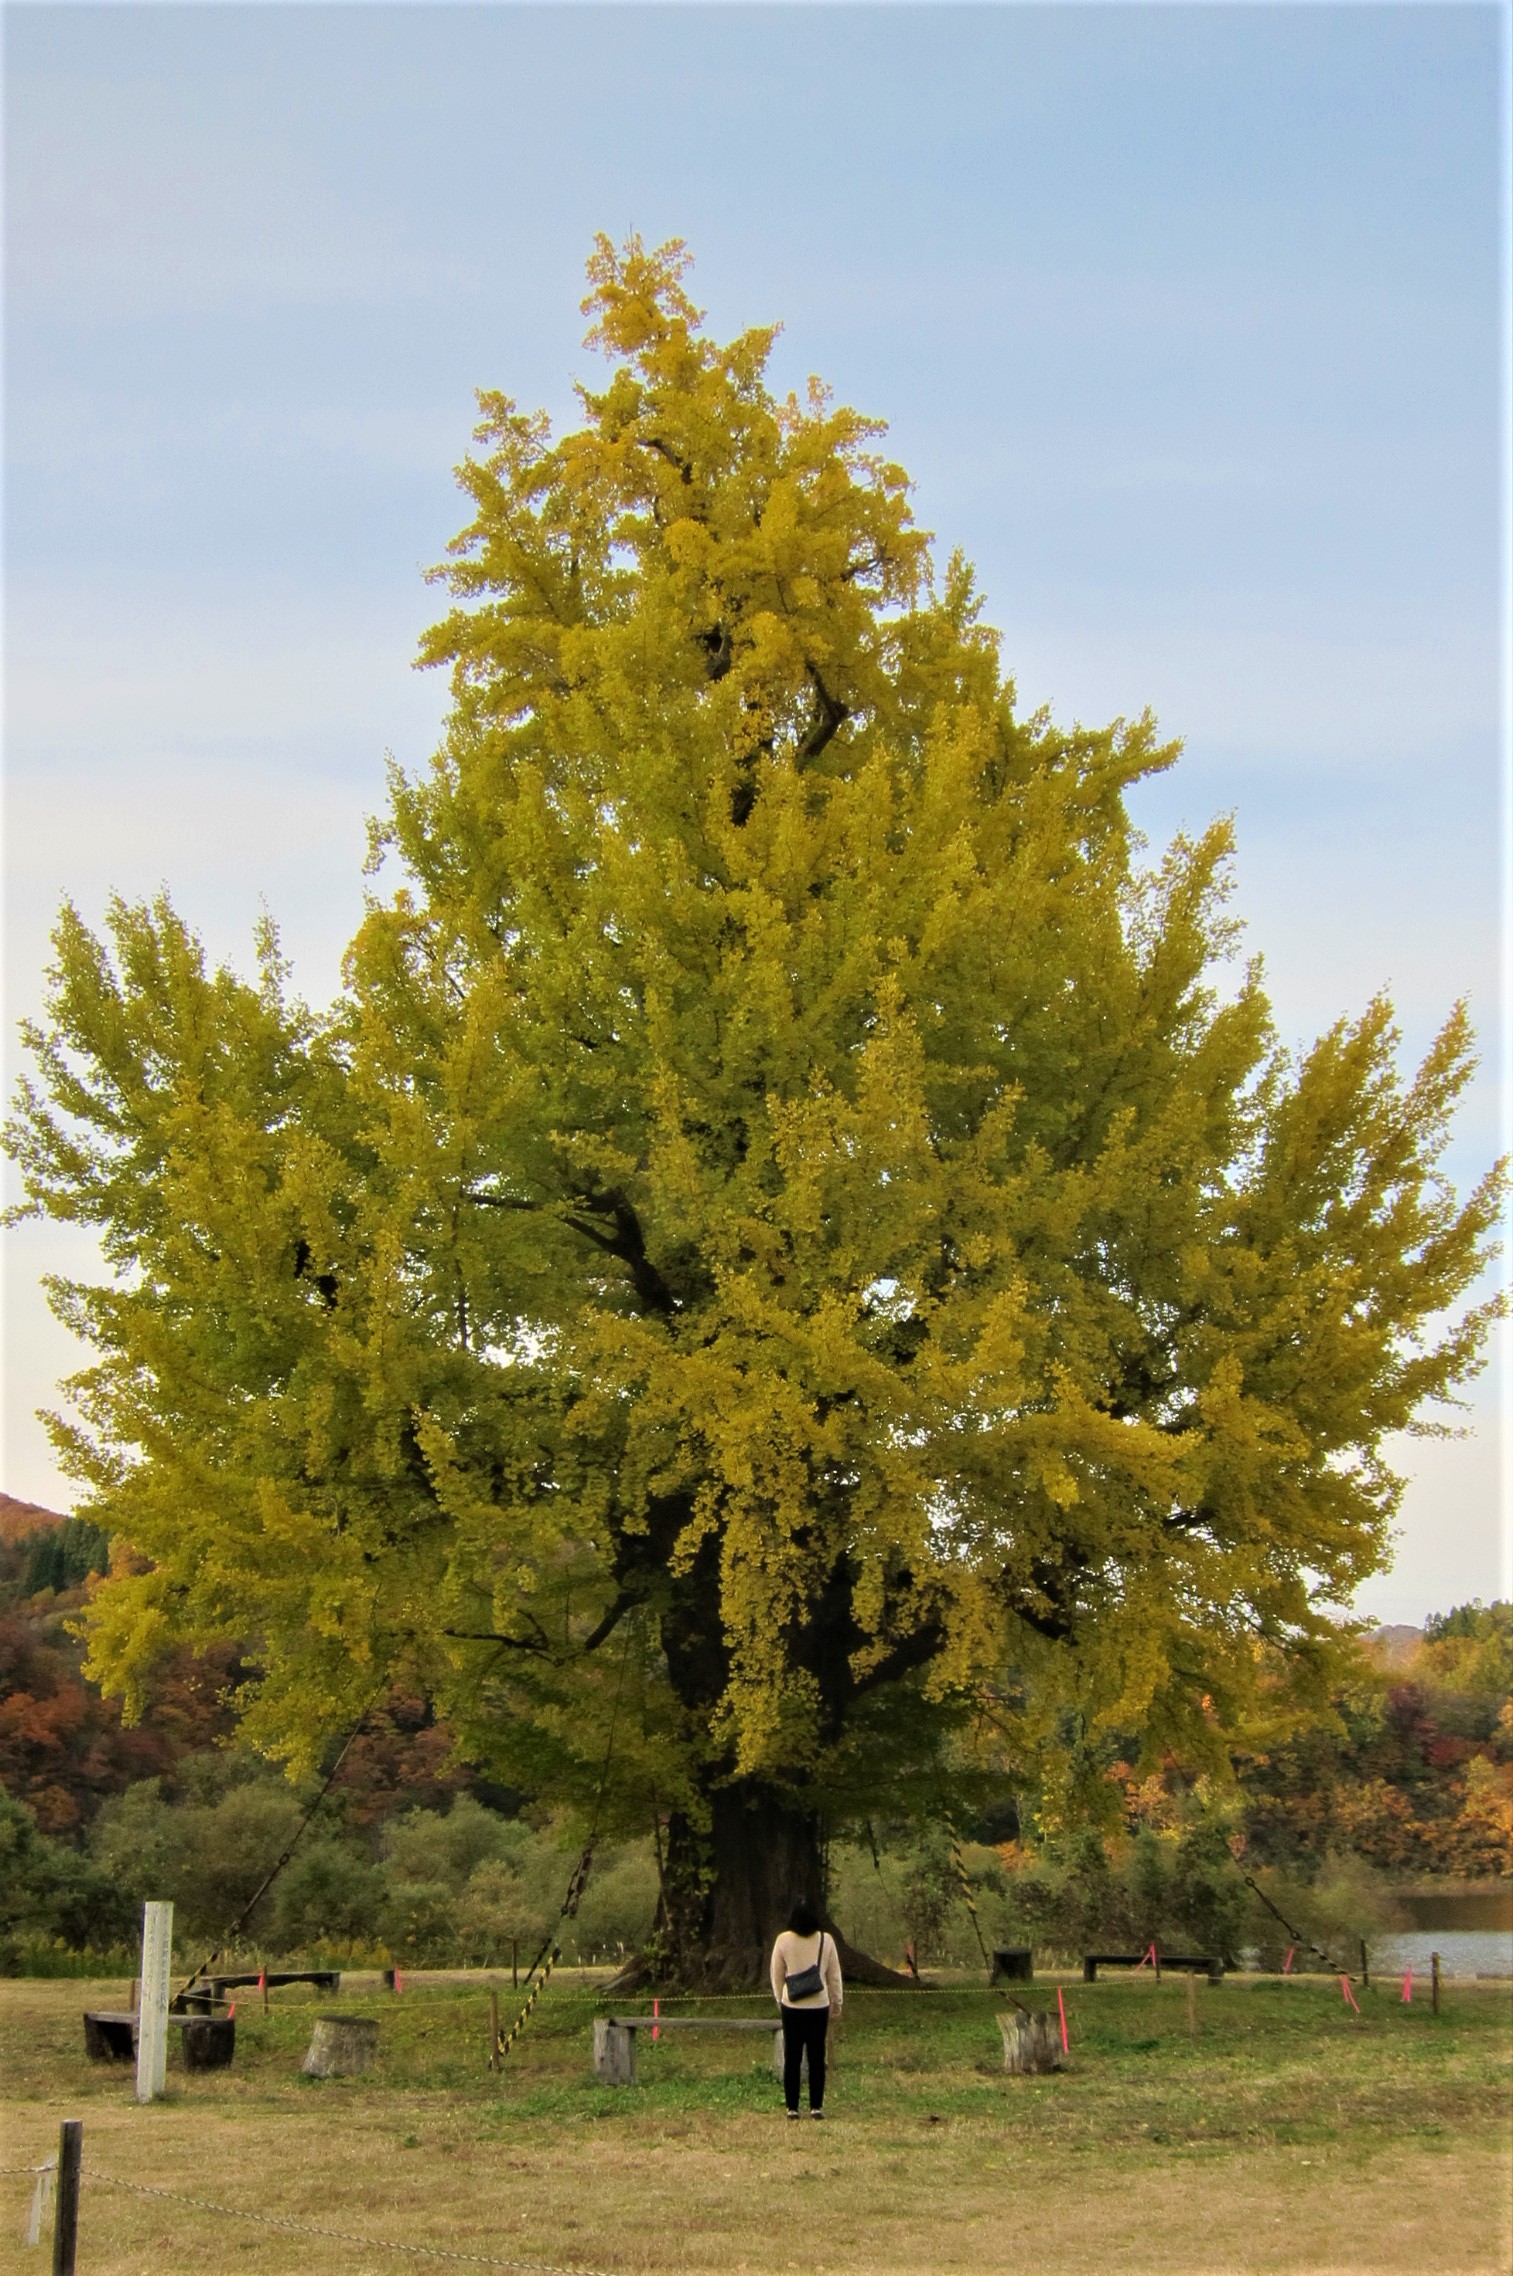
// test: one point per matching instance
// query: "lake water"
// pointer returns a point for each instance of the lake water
(1462, 1952)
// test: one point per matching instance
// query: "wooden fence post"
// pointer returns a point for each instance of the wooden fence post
(493, 2029)
(152, 2018)
(1365, 1968)
(1434, 1982)
(66, 2217)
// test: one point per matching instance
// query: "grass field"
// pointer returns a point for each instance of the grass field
(1271, 2130)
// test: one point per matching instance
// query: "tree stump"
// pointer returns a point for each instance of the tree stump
(340, 2046)
(209, 2042)
(614, 2053)
(777, 2057)
(1031, 2042)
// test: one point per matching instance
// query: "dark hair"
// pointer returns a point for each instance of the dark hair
(804, 1920)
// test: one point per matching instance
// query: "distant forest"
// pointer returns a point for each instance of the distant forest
(415, 1858)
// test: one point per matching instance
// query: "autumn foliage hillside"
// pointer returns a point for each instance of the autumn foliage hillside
(1409, 1778)
(1415, 1775)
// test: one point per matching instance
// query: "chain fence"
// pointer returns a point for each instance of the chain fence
(290, 2227)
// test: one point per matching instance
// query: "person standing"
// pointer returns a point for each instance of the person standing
(806, 1983)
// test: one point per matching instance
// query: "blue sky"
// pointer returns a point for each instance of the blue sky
(1186, 321)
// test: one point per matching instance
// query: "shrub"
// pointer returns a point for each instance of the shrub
(325, 1895)
(51, 1894)
(447, 1847)
(417, 1921)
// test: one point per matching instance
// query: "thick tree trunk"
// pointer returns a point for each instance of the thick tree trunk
(726, 1894)
(728, 1886)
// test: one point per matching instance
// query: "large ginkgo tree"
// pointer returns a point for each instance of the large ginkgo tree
(796, 1254)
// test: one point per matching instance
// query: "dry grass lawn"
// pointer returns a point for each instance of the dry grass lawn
(1282, 2135)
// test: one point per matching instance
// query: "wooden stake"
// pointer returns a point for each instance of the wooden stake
(66, 2217)
(1434, 1981)
(1192, 2004)
(514, 1964)
(493, 2029)
(1365, 1968)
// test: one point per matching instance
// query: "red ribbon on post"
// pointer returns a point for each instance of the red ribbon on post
(1350, 1998)
(656, 2028)
(1061, 2005)
(1287, 1963)
(1408, 1988)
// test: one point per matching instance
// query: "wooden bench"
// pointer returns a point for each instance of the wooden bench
(1184, 1963)
(208, 2041)
(324, 1979)
(205, 1997)
(615, 2039)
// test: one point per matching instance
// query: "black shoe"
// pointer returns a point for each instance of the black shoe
(815, 2113)
(793, 2113)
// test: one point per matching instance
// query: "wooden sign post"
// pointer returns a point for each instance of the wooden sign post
(152, 2015)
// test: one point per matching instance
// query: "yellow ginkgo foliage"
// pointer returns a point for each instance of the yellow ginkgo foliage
(793, 1244)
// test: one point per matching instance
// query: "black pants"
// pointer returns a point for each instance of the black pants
(804, 2033)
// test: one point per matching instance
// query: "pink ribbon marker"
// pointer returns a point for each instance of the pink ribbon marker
(1349, 1994)
(1061, 2004)
(1287, 1963)
(656, 2028)
(399, 1982)
(231, 2012)
(1408, 1988)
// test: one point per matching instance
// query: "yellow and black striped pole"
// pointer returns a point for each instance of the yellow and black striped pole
(503, 2046)
(965, 1879)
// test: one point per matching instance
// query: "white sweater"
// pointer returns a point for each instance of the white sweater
(791, 1955)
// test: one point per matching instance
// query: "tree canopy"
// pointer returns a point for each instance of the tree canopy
(796, 1247)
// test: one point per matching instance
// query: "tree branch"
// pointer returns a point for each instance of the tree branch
(611, 1621)
(830, 715)
(542, 1650)
(664, 450)
(917, 1649)
(627, 1243)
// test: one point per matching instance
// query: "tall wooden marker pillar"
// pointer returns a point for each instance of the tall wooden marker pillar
(152, 2016)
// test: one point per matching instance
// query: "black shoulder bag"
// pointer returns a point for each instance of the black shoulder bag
(809, 1980)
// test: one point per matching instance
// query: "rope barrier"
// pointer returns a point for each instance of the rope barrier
(338, 2236)
(1295, 1933)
